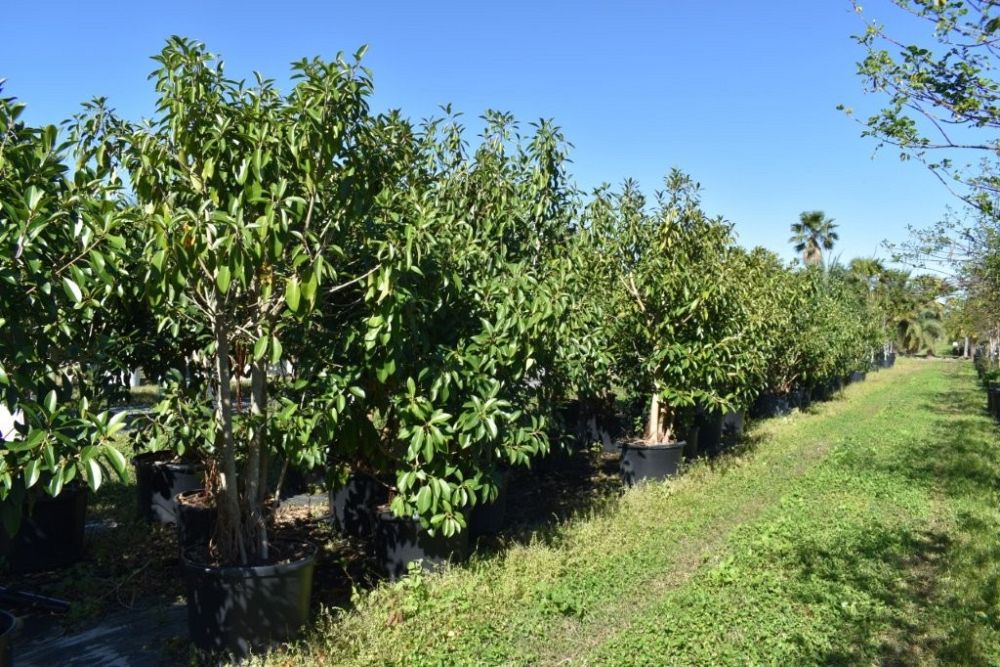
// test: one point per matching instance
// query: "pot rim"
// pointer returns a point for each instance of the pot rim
(149, 458)
(387, 515)
(189, 566)
(680, 444)
(9, 623)
(190, 493)
(72, 490)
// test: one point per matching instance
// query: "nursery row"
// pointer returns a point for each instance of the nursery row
(318, 287)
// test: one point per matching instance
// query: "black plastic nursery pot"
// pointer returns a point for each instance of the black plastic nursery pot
(656, 462)
(158, 480)
(402, 540)
(732, 427)
(8, 628)
(857, 376)
(800, 398)
(593, 421)
(692, 440)
(489, 518)
(51, 535)
(824, 391)
(239, 609)
(195, 520)
(352, 506)
(710, 432)
(771, 405)
(993, 399)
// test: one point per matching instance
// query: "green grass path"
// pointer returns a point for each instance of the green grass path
(866, 531)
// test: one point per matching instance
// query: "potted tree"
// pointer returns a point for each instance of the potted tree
(787, 299)
(171, 449)
(243, 197)
(458, 342)
(58, 249)
(677, 336)
(751, 275)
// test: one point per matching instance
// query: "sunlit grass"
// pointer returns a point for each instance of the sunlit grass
(862, 531)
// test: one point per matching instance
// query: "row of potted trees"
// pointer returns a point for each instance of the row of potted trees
(316, 286)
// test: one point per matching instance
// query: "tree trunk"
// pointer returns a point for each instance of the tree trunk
(229, 533)
(967, 350)
(659, 427)
(254, 485)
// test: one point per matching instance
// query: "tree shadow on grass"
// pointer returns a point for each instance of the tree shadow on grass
(941, 606)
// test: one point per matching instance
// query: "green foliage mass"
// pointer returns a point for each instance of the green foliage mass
(317, 285)
(59, 271)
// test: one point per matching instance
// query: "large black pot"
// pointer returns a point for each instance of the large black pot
(236, 610)
(857, 376)
(158, 480)
(8, 628)
(352, 506)
(732, 427)
(489, 518)
(650, 462)
(825, 390)
(771, 405)
(993, 399)
(800, 398)
(51, 532)
(592, 420)
(710, 432)
(692, 442)
(195, 521)
(399, 541)
(891, 360)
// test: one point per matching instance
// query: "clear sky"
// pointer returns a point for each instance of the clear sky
(741, 95)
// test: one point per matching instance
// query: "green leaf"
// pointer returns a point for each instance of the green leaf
(292, 293)
(424, 499)
(50, 401)
(55, 485)
(387, 369)
(117, 422)
(157, 260)
(275, 350)
(92, 470)
(72, 289)
(49, 455)
(309, 287)
(116, 459)
(259, 348)
(34, 196)
(32, 472)
(222, 278)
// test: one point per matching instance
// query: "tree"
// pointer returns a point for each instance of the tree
(246, 201)
(59, 250)
(943, 102)
(678, 334)
(458, 354)
(813, 234)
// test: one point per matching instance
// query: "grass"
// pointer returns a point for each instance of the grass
(864, 531)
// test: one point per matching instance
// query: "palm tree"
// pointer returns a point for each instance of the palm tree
(867, 271)
(920, 329)
(813, 234)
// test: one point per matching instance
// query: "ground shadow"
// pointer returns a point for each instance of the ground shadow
(924, 620)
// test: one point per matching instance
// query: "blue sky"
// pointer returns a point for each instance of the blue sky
(741, 95)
